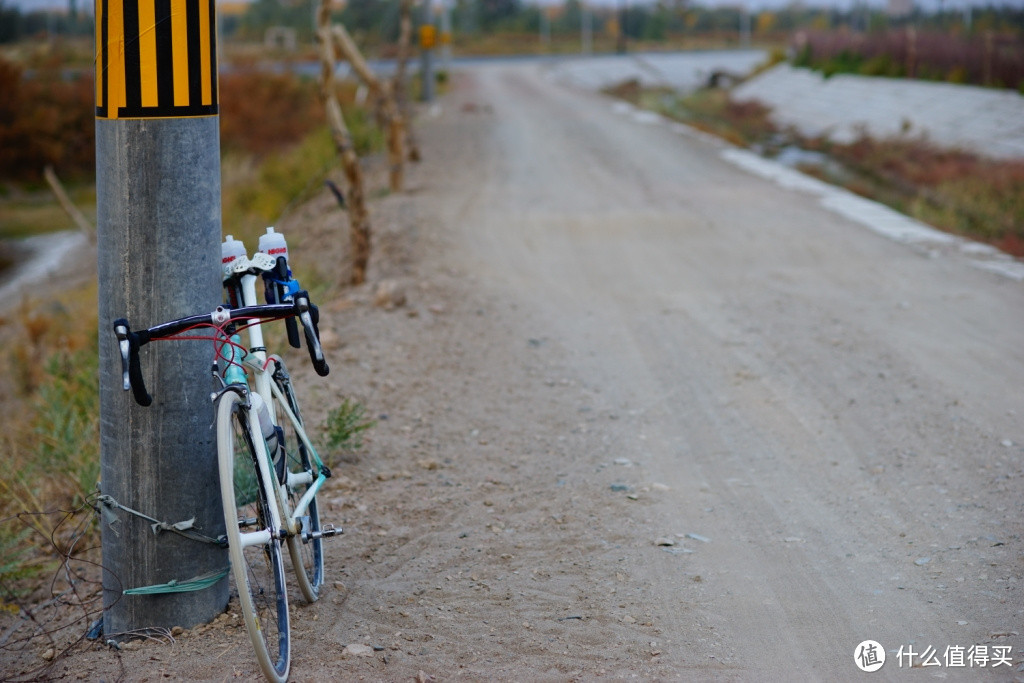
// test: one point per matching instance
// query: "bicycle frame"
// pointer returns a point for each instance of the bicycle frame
(256, 359)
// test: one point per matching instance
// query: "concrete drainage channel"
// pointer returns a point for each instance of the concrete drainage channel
(870, 214)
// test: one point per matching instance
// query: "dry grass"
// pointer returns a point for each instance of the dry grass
(986, 58)
(49, 390)
(953, 190)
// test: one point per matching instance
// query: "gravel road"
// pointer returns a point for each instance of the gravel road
(643, 415)
(837, 414)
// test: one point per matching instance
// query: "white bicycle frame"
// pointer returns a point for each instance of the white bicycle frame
(256, 359)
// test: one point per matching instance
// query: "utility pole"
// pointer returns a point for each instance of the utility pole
(446, 37)
(428, 40)
(744, 26)
(621, 40)
(545, 29)
(586, 29)
(158, 231)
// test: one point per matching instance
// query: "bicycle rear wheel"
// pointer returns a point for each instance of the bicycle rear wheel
(307, 556)
(253, 542)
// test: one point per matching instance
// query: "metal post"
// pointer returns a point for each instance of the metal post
(158, 229)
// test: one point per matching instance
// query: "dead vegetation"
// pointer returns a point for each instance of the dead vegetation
(954, 190)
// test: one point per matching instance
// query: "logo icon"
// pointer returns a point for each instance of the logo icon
(869, 656)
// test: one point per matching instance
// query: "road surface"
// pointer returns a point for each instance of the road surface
(643, 414)
(838, 414)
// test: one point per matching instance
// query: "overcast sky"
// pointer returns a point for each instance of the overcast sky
(27, 5)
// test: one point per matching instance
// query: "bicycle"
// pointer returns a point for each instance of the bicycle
(269, 481)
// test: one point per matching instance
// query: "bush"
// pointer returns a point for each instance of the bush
(263, 112)
(46, 117)
(987, 58)
(52, 441)
(345, 426)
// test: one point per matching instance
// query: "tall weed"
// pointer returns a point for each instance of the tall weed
(53, 442)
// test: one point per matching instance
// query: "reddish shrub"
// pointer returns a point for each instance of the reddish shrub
(46, 118)
(261, 112)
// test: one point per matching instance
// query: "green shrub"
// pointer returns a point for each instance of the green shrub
(345, 426)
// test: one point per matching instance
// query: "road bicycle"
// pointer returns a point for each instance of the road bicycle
(270, 472)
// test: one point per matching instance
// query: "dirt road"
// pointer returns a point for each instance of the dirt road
(645, 416)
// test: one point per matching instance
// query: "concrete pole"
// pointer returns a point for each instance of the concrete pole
(744, 26)
(621, 41)
(158, 230)
(586, 29)
(446, 37)
(545, 30)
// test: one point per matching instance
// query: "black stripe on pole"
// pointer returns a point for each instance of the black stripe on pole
(104, 94)
(189, 49)
(132, 57)
(164, 55)
(213, 55)
(195, 74)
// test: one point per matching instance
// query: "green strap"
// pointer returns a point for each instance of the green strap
(197, 583)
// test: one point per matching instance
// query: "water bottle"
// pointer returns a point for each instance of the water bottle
(273, 243)
(231, 249)
(266, 424)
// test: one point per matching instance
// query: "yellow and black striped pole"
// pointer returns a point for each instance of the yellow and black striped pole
(155, 58)
(158, 232)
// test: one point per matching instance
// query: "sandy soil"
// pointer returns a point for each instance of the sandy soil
(643, 416)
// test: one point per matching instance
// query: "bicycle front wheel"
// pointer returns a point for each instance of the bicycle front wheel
(307, 555)
(253, 543)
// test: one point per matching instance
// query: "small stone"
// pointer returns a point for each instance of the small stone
(329, 339)
(623, 462)
(659, 487)
(1007, 443)
(698, 537)
(961, 623)
(177, 631)
(49, 654)
(390, 294)
(357, 650)
(619, 488)
(338, 585)
(429, 464)
(628, 620)
(664, 541)
(633, 496)
(922, 561)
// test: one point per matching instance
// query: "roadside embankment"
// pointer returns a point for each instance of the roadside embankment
(842, 107)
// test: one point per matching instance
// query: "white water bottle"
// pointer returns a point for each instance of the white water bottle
(273, 243)
(266, 424)
(231, 249)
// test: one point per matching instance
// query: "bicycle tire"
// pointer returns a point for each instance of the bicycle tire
(258, 569)
(307, 556)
